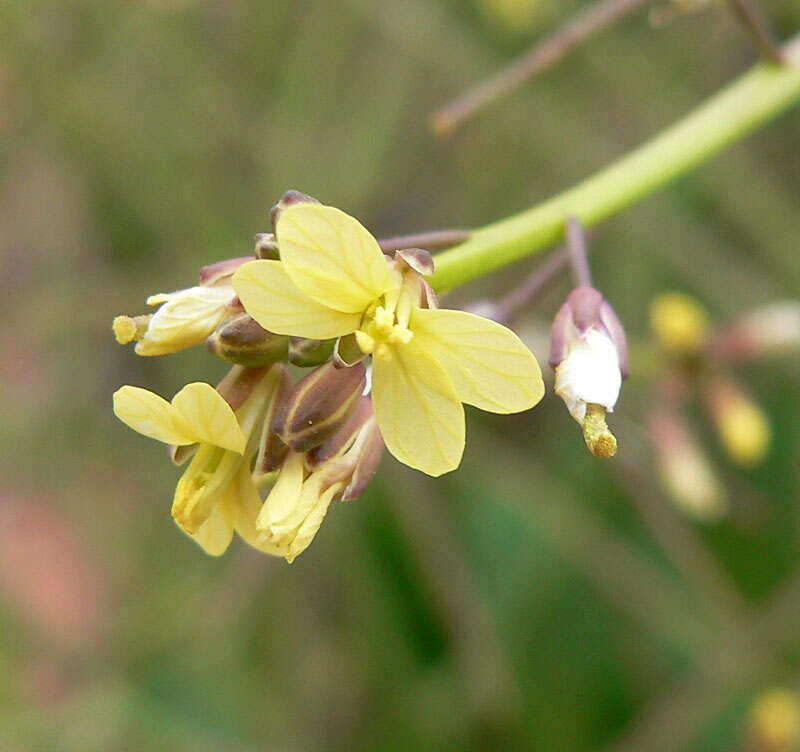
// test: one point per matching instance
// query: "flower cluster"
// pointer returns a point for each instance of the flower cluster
(697, 362)
(390, 369)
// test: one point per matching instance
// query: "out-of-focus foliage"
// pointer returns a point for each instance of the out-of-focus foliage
(521, 603)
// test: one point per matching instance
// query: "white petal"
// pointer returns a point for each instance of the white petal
(589, 374)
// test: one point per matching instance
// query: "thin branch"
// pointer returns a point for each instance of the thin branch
(578, 258)
(730, 115)
(756, 27)
(535, 284)
(431, 241)
(541, 57)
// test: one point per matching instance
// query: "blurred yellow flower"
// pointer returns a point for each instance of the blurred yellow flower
(679, 322)
(333, 280)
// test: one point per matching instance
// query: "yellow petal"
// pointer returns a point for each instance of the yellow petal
(244, 504)
(215, 534)
(419, 414)
(332, 257)
(310, 526)
(151, 415)
(279, 512)
(209, 417)
(488, 364)
(274, 301)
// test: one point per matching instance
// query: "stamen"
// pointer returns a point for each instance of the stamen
(130, 328)
(596, 434)
(365, 343)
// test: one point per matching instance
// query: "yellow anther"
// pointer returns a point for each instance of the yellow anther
(365, 343)
(384, 321)
(596, 434)
(383, 351)
(130, 328)
(400, 336)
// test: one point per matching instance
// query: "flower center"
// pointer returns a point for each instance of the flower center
(385, 322)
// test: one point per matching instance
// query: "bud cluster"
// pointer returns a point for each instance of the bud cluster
(698, 359)
(306, 444)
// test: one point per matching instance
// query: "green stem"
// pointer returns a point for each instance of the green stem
(753, 99)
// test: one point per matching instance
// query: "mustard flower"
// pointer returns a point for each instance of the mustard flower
(216, 494)
(332, 280)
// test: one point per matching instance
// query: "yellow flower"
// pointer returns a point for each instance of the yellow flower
(216, 494)
(333, 280)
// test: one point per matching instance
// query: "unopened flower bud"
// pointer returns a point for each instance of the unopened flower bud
(774, 722)
(266, 247)
(242, 340)
(319, 405)
(271, 448)
(346, 352)
(221, 272)
(772, 329)
(340, 468)
(679, 323)
(686, 472)
(290, 198)
(741, 424)
(417, 259)
(306, 352)
(588, 351)
(357, 446)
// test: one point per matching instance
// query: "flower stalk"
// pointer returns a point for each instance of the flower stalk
(727, 117)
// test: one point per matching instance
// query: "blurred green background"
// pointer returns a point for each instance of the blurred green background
(535, 599)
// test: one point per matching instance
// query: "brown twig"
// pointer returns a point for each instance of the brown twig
(578, 258)
(538, 281)
(756, 27)
(542, 56)
(437, 240)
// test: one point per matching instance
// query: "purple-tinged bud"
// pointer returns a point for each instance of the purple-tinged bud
(428, 297)
(239, 383)
(290, 198)
(319, 405)
(355, 451)
(266, 247)
(417, 259)
(589, 353)
(346, 352)
(222, 271)
(271, 449)
(244, 341)
(310, 352)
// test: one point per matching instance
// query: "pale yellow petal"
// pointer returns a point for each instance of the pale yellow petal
(209, 417)
(332, 257)
(243, 508)
(308, 529)
(488, 364)
(215, 534)
(151, 415)
(419, 414)
(283, 500)
(274, 301)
